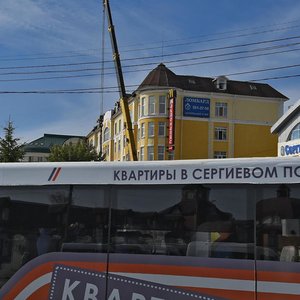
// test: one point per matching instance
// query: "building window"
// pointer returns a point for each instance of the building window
(151, 105)
(142, 130)
(221, 109)
(142, 153)
(116, 128)
(220, 133)
(161, 129)
(221, 83)
(295, 133)
(150, 152)
(162, 105)
(142, 105)
(106, 134)
(171, 155)
(119, 145)
(161, 152)
(120, 129)
(220, 154)
(131, 116)
(150, 129)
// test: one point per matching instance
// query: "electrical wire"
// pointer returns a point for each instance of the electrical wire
(174, 61)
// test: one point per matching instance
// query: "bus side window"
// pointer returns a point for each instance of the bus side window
(278, 223)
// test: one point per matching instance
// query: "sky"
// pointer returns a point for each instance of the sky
(56, 69)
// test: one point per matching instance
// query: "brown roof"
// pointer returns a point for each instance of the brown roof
(161, 76)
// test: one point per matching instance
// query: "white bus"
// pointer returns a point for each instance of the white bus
(194, 229)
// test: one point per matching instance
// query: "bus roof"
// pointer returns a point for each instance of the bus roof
(234, 170)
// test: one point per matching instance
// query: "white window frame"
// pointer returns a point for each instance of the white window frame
(220, 133)
(142, 105)
(160, 152)
(150, 129)
(151, 105)
(142, 150)
(106, 134)
(220, 154)
(120, 126)
(142, 130)
(162, 105)
(295, 133)
(150, 152)
(171, 155)
(221, 109)
(161, 127)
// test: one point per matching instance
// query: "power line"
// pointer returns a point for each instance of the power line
(80, 52)
(262, 70)
(136, 65)
(174, 61)
(110, 88)
(277, 77)
(150, 57)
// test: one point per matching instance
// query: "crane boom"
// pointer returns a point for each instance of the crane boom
(122, 91)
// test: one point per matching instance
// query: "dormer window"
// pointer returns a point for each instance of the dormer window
(221, 83)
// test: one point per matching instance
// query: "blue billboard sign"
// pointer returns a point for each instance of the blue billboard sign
(196, 107)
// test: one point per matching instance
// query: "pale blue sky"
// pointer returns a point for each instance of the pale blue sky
(55, 45)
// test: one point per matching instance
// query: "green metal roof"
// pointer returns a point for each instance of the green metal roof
(44, 144)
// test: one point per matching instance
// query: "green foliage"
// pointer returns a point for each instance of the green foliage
(10, 149)
(81, 151)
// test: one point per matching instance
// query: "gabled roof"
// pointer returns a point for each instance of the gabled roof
(161, 76)
(286, 117)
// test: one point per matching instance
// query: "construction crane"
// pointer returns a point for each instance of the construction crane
(122, 91)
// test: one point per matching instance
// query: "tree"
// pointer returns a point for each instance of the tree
(81, 151)
(10, 149)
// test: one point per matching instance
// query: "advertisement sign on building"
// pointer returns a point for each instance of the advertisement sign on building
(172, 103)
(290, 148)
(196, 107)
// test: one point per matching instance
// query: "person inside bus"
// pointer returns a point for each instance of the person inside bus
(43, 241)
(227, 234)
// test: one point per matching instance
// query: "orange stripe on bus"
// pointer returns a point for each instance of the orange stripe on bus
(227, 294)
(46, 268)
(269, 296)
(278, 276)
(183, 271)
(41, 294)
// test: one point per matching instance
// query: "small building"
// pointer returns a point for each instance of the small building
(288, 130)
(39, 149)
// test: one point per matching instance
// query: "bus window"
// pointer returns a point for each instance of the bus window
(38, 220)
(31, 224)
(278, 223)
(87, 224)
(192, 220)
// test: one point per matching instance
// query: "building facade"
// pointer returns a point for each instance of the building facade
(207, 118)
(288, 130)
(39, 149)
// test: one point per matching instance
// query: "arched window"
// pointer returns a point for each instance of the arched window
(106, 134)
(295, 133)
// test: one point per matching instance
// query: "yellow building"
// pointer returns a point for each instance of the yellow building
(213, 118)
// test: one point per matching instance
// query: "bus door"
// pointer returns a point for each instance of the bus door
(182, 242)
(57, 238)
(278, 242)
